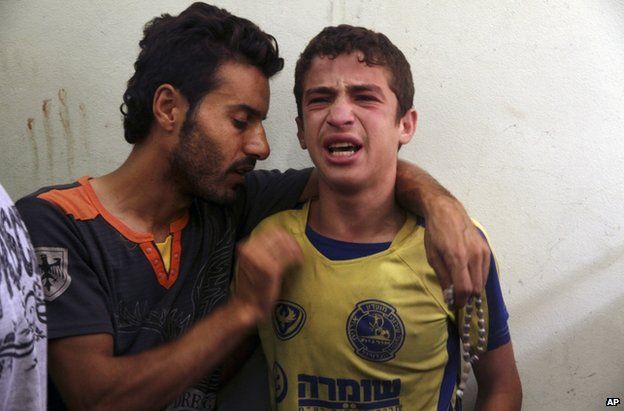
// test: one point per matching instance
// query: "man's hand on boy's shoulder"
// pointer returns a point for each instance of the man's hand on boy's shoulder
(456, 249)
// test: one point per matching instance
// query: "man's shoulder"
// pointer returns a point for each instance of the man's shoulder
(68, 199)
(39, 199)
(204, 210)
(272, 175)
(272, 185)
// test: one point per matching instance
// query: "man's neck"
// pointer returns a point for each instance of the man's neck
(367, 216)
(141, 194)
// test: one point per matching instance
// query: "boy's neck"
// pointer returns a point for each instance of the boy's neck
(368, 216)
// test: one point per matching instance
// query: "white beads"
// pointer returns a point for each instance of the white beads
(449, 298)
(468, 357)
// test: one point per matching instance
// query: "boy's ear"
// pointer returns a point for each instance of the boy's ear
(169, 107)
(300, 133)
(407, 126)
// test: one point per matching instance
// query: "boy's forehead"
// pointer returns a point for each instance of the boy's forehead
(344, 69)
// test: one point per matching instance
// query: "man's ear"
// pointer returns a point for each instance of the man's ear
(300, 133)
(169, 107)
(407, 126)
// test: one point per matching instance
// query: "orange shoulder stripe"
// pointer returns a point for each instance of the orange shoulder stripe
(73, 201)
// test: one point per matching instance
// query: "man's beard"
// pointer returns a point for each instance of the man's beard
(197, 171)
(191, 182)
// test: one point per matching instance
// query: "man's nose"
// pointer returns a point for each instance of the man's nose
(256, 144)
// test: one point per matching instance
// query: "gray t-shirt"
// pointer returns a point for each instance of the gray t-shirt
(23, 375)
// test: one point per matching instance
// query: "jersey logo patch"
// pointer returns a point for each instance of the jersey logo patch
(288, 319)
(281, 383)
(375, 330)
(316, 392)
(52, 262)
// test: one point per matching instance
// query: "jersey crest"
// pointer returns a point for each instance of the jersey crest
(375, 330)
(52, 262)
(288, 319)
(281, 383)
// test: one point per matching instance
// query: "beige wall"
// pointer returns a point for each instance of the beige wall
(521, 112)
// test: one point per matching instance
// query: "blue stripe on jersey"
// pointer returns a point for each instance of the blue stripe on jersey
(343, 250)
(498, 333)
(451, 371)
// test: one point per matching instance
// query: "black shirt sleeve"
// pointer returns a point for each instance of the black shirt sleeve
(76, 301)
(268, 192)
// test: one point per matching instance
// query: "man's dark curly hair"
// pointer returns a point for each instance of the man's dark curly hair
(186, 51)
(377, 50)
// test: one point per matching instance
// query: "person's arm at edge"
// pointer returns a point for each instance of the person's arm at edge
(455, 248)
(498, 381)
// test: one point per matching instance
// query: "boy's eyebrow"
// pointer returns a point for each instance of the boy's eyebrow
(357, 88)
(320, 90)
(364, 87)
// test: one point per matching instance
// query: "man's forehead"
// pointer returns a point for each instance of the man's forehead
(242, 87)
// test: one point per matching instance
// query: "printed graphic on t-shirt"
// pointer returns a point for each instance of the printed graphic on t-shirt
(321, 393)
(280, 382)
(288, 319)
(375, 330)
(55, 278)
(198, 294)
(194, 399)
(22, 314)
